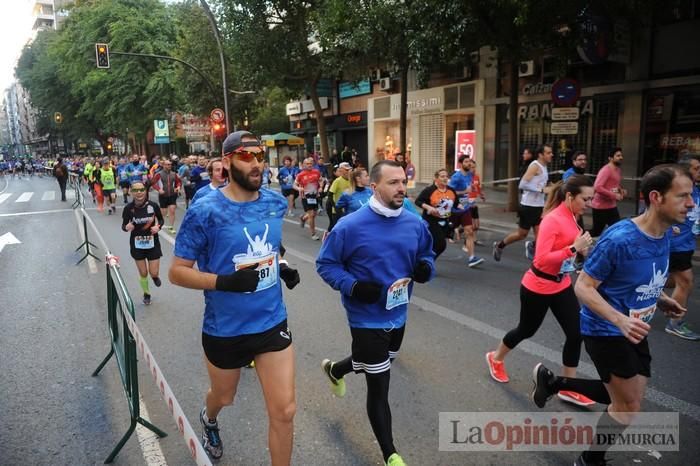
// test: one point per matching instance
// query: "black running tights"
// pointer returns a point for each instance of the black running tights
(379, 412)
(533, 308)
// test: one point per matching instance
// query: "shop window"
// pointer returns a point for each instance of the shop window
(604, 136)
(466, 96)
(672, 127)
(451, 96)
(382, 107)
(431, 149)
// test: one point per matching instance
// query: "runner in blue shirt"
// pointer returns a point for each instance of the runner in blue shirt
(235, 236)
(620, 288)
(349, 202)
(461, 182)
(373, 257)
(286, 175)
(199, 175)
(123, 177)
(683, 242)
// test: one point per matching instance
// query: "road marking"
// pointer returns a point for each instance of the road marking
(25, 197)
(37, 212)
(48, 196)
(8, 238)
(148, 441)
(4, 197)
(7, 183)
(535, 349)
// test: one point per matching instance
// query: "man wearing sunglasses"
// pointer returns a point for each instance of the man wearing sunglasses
(235, 236)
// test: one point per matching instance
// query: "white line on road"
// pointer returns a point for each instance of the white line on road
(25, 197)
(3, 197)
(148, 441)
(41, 212)
(48, 196)
(535, 349)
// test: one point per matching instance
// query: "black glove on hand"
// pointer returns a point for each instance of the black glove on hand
(367, 292)
(240, 281)
(289, 275)
(421, 273)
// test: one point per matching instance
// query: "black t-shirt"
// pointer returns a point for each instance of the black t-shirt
(143, 217)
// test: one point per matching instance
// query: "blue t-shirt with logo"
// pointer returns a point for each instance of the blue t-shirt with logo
(632, 267)
(286, 177)
(224, 236)
(683, 234)
(459, 182)
(137, 172)
(200, 177)
(350, 202)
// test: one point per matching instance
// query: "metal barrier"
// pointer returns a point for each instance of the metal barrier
(123, 348)
(125, 340)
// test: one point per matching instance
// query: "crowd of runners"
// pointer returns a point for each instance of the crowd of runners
(232, 231)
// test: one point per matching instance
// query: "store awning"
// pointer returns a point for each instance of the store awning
(282, 139)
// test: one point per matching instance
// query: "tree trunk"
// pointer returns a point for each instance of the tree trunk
(513, 137)
(320, 119)
(404, 110)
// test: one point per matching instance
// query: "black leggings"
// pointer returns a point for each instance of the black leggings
(439, 234)
(603, 218)
(533, 308)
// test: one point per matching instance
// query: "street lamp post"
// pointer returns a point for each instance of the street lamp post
(217, 36)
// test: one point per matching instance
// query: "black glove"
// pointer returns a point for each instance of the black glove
(421, 273)
(240, 281)
(367, 292)
(289, 275)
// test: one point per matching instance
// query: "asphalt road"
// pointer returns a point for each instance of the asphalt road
(53, 334)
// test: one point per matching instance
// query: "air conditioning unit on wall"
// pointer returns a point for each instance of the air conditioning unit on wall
(375, 75)
(385, 84)
(526, 68)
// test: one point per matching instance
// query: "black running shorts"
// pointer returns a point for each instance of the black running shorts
(373, 349)
(529, 216)
(147, 254)
(289, 192)
(314, 205)
(619, 356)
(680, 261)
(165, 201)
(475, 212)
(236, 352)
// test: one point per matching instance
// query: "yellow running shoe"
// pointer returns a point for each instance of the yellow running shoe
(337, 385)
(395, 460)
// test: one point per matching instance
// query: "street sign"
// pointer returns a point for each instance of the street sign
(161, 134)
(465, 143)
(217, 115)
(565, 113)
(565, 92)
(564, 127)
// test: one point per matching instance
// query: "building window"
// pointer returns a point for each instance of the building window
(604, 135)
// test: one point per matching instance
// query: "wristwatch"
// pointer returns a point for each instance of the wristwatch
(572, 249)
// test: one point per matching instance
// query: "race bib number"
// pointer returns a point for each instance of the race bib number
(644, 314)
(204, 176)
(267, 269)
(144, 242)
(311, 200)
(397, 293)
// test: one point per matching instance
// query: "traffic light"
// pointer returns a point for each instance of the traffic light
(102, 55)
(219, 130)
(58, 118)
(109, 146)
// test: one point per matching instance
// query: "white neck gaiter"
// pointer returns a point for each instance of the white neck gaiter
(377, 206)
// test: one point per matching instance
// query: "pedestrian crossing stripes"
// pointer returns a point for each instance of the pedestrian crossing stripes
(28, 195)
(25, 197)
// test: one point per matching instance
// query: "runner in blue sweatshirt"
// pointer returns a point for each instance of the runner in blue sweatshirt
(373, 257)
(349, 202)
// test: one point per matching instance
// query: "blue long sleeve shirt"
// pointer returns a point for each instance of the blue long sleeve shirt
(370, 247)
